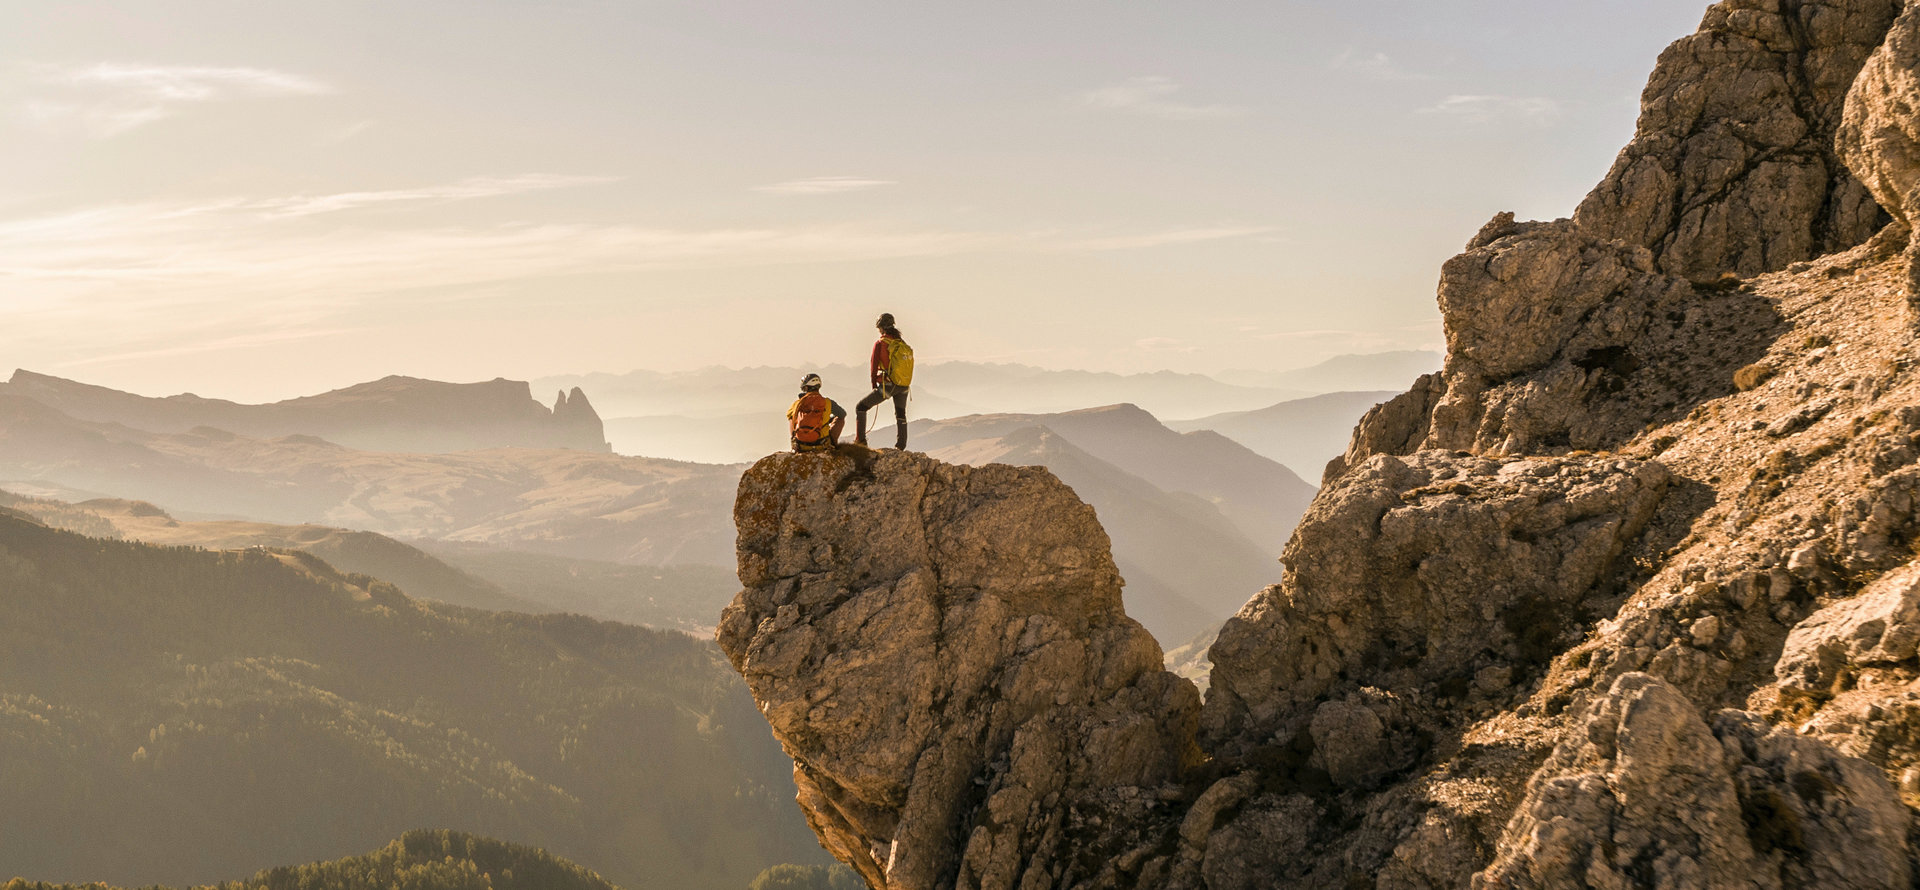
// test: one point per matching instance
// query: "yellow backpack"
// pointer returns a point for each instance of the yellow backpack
(899, 363)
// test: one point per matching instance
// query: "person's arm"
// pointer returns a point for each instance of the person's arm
(877, 365)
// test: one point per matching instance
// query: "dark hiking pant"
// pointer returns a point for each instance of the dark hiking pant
(899, 396)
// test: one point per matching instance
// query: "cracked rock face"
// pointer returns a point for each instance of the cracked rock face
(1732, 167)
(1650, 796)
(1880, 626)
(1412, 574)
(1525, 374)
(942, 650)
(1880, 134)
(1559, 341)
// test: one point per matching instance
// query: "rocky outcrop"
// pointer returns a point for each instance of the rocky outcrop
(1880, 626)
(1395, 426)
(1648, 795)
(1732, 167)
(943, 652)
(577, 420)
(1879, 135)
(1617, 345)
(1625, 596)
(1431, 577)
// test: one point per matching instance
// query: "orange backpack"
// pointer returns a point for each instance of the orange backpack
(811, 418)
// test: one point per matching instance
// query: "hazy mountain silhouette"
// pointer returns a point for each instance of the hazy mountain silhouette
(572, 503)
(177, 715)
(643, 407)
(1261, 497)
(1302, 434)
(1187, 567)
(1342, 373)
(419, 574)
(390, 414)
(685, 598)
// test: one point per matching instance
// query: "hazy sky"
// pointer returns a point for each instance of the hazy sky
(260, 200)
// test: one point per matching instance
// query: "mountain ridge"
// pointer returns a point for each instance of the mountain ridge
(190, 714)
(394, 413)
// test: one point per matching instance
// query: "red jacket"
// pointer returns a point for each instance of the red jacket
(877, 365)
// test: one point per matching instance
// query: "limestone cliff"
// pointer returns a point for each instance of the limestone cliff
(1626, 595)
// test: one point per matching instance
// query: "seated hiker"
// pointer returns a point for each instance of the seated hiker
(813, 420)
(891, 370)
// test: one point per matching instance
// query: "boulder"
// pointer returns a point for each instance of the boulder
(1732, 167)
(1416, 574)
(1879, 626)
(1879, 134)
(1647, 795)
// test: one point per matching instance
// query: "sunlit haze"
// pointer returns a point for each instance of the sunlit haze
(256, 201)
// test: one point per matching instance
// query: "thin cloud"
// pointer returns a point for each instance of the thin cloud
(1165, 344)
(127, 276)
(1151, 96)
(99, 121)
(107, 99)
(1488, 109)
(1162, 239)
(219, 344)
(824, 185)
(1373, 66)
(466, 189)
(346, 133)
(183, 83)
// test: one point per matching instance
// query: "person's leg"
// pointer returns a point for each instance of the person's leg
(900, 418)
(860, 415)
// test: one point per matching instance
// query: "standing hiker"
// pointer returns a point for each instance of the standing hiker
(891, 370)
(813, 420)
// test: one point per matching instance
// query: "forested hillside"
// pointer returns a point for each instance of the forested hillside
(418, 860)
(175, 715)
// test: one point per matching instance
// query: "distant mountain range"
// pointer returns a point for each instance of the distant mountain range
(366, 553)
(685, 598)
(728, 415)
(390, 414)
(173, 715)
(569, 503)
(945, 389)
(1197, 521)
(1371, 371)
(1303, 434)
(1263, 499)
